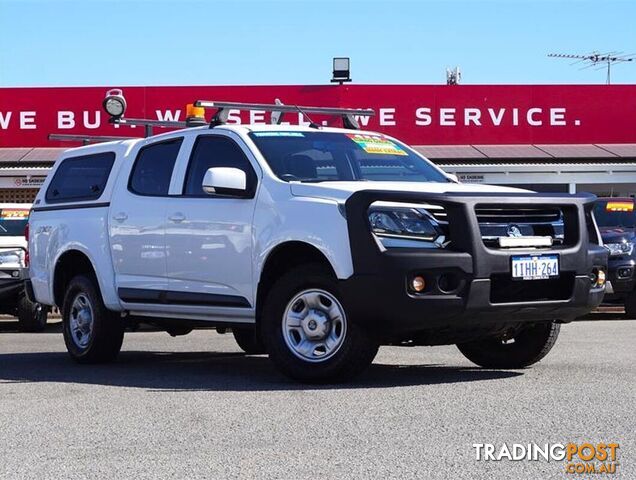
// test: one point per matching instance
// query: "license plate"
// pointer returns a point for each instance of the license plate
(535, 267)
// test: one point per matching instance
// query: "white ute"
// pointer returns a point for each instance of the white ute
(313, 244)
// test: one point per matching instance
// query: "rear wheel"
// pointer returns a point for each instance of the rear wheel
(247, 339)
(32, 316)
(528, 345)
(307, 332)
(92, 333)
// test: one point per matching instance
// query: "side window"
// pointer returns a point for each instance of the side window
(153, 167)
(215, 151)
(80, 178)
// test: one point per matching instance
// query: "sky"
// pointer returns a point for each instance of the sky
(156, 42)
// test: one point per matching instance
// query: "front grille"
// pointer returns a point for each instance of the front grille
(503, 289)
(493, 214)
(503, 221)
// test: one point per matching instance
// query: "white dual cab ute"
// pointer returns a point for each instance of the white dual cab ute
(313, 244)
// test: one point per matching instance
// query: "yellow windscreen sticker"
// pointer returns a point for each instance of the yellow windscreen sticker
(14, 214)
(376, 144)
(620, 206)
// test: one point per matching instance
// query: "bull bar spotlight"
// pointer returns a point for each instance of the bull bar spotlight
(114, 103)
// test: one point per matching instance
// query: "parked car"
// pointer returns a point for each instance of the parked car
(313, 244)
(32, 316)
(617, 222)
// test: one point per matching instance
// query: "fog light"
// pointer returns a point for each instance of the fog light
(418, 284)
(600, 277)
(624, 272)
(15, 274)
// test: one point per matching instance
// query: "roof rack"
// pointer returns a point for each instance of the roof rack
(86, 139)
(115, 106)
(278, 110)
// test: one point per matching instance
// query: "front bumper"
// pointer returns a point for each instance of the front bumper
(621, 272)
(11, 282)
(482, 293)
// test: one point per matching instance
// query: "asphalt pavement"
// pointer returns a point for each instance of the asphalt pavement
(196, 407)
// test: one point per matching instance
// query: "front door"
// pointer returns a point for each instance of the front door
(209, 237)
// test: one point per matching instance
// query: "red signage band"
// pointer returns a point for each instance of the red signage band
(417, 114)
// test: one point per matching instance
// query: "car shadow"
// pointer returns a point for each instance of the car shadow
(12, 326)
(209, 371)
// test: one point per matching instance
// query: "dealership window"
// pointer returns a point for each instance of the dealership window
(80, 178)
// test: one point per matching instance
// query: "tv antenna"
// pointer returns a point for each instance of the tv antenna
(596, 60)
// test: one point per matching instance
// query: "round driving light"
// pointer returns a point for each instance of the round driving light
(418, 284)
(600, 277)
(114, 103)
(15, 274)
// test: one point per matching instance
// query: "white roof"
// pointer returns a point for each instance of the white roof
(17, 206)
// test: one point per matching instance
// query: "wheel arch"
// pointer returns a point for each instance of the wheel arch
(284, 257)
(69, 264)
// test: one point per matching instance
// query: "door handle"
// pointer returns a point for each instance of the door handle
(177, 217)
(120, 217)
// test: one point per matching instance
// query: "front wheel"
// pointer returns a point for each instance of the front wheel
(526, 347)
(92, 333)
(630, 305)
(307, 331)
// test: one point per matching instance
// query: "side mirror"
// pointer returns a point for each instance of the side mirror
(224, 181)
(453, 177)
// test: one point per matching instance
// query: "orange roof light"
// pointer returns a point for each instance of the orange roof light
(192, 111)
(620, 206)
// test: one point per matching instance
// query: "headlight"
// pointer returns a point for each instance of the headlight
(12, 257)
(624, 248)
(405, 224)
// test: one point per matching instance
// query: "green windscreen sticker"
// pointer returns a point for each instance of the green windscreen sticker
(278, 134)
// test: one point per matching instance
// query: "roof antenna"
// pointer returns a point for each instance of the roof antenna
(600, 61)
(311, 122)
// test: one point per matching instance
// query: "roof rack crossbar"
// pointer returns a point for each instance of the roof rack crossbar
(272, 107)
(278, 110)
(149, 123)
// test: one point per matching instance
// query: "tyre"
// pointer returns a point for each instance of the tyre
(307, 332)
(630, 306)
(32, 316)
(249, 342)
(92, 333)
(528, 346)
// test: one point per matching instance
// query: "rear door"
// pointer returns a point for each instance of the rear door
(137, 222)
(209, 237)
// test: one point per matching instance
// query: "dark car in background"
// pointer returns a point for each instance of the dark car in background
(616, 220)
(32, 316)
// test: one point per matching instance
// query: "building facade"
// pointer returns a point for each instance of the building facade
(543, 137)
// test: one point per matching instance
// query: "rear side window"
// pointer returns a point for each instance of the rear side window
(80, 178)
(215, 151)
(153, 167)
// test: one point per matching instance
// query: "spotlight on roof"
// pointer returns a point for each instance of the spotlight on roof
(341, 70)
(114, 103)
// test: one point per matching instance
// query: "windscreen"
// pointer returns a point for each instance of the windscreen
(327, 156)
(611, 213)
(13, 221)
